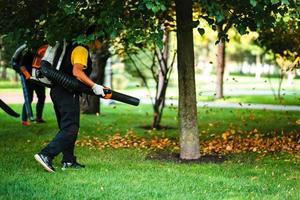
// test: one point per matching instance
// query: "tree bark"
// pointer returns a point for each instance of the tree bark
(162, 82)
(16, 77)
(220, 67)
(4, 73)
(91, 104)
(189, 137)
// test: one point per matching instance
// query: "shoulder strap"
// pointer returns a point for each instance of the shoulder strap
(54, 55)
(50, 53)
(61, 55)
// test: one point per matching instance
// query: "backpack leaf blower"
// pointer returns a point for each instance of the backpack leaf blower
(45, 69)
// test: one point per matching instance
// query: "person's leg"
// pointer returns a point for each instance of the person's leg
(68, 151)
(45, 157)
(24, 113)
(30, 98)
(69, 158)
(40, 92)
(58, 117)
(68, 107)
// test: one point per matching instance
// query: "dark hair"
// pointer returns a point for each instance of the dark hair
(90, 30)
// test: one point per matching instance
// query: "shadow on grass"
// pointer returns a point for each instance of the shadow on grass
(175, 157)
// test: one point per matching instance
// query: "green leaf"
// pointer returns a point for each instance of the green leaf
(219, 17)
(214, 27)
(253, 2)
(196, 23)
(155, 9)
(210, 21)
(160, 44)
(201, 31)
(275, 1)
(286, 2)
(149, 5)
(163, 7)
(114, 34)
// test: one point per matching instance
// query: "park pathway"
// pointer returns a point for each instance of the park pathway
(17, 98)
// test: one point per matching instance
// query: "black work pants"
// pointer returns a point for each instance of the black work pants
(66, 106)
(40, 93)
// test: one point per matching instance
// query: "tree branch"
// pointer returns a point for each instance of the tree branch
(142, 76)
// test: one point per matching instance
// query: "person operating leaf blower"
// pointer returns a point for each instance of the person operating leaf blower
(22, 63)
(76, 62)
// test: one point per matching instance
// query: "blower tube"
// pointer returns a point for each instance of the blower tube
(73, 85)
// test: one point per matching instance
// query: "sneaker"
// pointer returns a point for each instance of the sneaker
(72, 165)
(39, 121)
(25, 123)
(45, 161)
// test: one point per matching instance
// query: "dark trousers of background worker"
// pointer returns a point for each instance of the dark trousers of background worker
(66, 106)
(40, 93)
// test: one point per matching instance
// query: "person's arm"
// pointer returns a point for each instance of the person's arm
(79, 59)
(81, 76)
(26, 61)
(24, 71)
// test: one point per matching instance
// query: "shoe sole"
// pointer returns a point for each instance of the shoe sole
(39, 160)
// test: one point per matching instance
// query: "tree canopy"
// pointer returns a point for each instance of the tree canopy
(245, 16)
(131, 21)
(284, 39)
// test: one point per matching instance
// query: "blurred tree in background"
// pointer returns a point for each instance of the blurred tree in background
(244, 16)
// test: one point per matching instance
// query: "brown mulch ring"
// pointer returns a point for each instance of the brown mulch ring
(147, 127)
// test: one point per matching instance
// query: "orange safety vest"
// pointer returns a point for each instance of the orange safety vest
(39, 55)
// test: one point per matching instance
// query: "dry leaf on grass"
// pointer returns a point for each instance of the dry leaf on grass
(229, 142)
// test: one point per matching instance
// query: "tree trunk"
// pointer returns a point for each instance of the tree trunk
(159, 106)
(91, 104)
(4, 73)
(16, 77)
(291, 75)
(220, 67)
(162, 82)
(109, 74)
(207, 49)
(258, 70)
(189, 138)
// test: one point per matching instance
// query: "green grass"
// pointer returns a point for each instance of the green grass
(256, 99)
(126, 174)
(10, 86)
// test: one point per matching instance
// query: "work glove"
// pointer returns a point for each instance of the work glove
(98, 90)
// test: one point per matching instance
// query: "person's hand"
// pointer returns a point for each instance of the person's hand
(98, 90)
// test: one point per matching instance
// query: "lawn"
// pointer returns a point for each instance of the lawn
(127, 174)
(292, 99)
